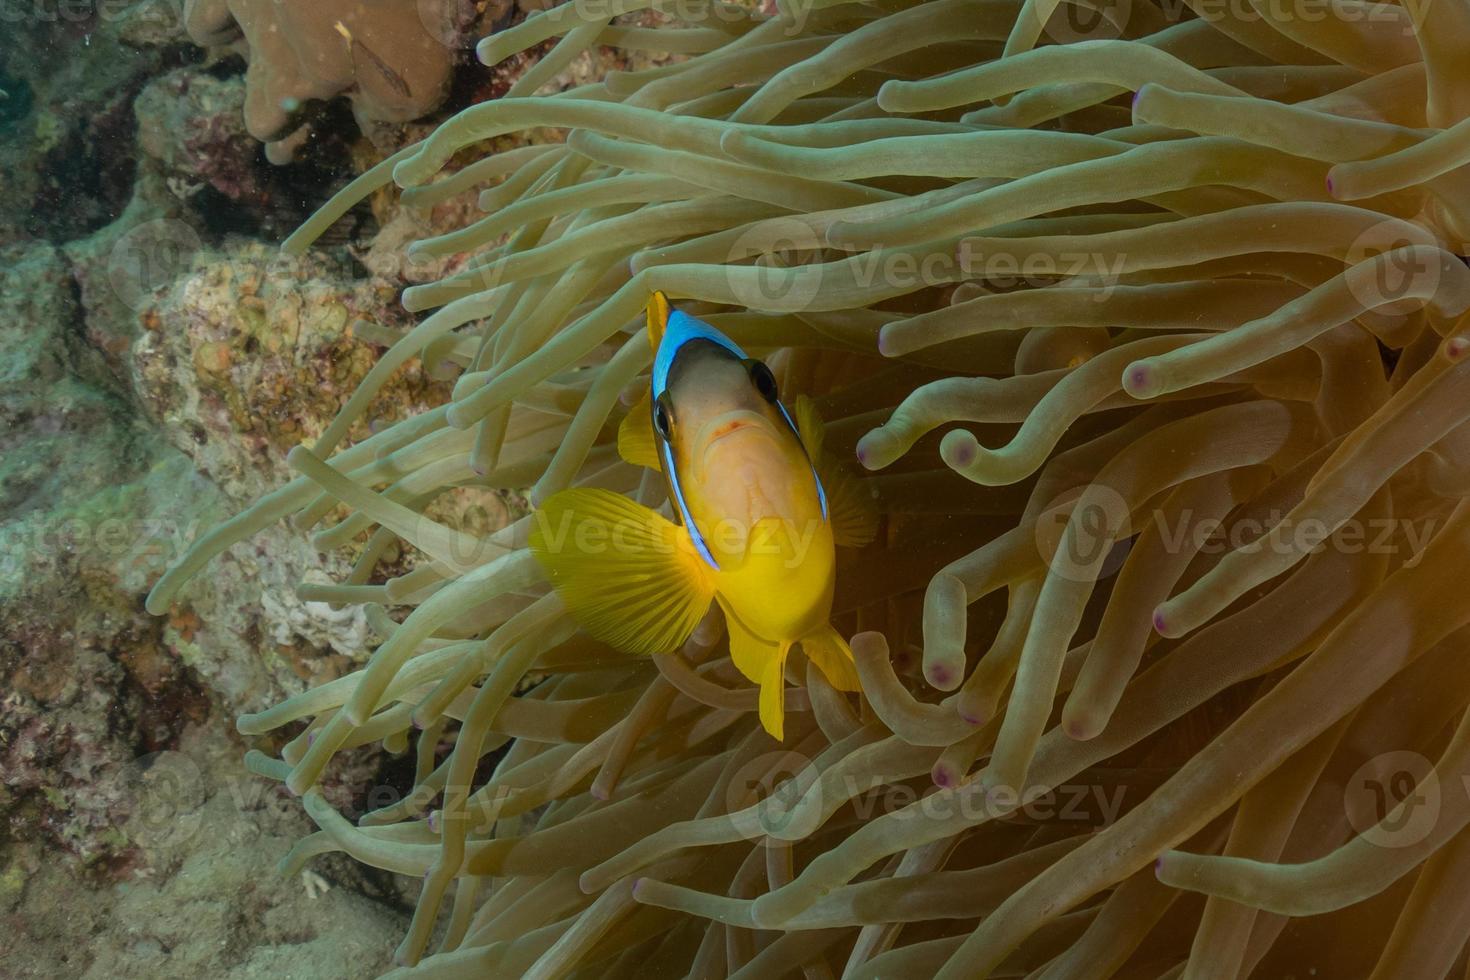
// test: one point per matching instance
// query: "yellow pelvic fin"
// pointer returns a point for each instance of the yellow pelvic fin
(762, 662)
(773, 695)
(850, 507)
(829, 651)
(658, 318)
(636, 443)
(629, 576)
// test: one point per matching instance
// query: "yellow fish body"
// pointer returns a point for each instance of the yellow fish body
(755, 530)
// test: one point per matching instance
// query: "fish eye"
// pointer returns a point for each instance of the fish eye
(661, 422)
(763, 379)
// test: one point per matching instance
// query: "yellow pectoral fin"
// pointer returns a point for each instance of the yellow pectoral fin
(829, 651)
(850, 507)
(809, 426)
(629, 576)
(635, 435)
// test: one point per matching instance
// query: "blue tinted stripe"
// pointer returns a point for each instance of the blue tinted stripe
(681, 329)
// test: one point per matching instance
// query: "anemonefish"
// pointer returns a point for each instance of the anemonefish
(757, 513)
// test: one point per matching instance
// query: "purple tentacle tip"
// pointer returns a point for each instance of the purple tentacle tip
(1160, 624)
(942, 776)
(962, 453)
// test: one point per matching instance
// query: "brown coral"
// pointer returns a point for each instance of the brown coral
(389, 58)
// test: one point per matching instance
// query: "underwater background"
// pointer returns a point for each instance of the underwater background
(1140, 332)
(158, 360)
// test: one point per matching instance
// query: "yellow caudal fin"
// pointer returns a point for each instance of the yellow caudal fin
(658, 318)
(635, 435)
(762, 662)
(829, 651)
(629, 576)
(850, 506)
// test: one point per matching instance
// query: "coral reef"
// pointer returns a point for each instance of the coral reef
(194, 902)
(66, 120)
(1151, 328)
(128, 177)
(392, 60)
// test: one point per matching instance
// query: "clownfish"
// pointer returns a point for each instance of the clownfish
(757, 515)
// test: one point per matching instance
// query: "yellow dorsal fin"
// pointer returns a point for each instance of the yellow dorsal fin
(658, 318)
(762, 662)
(635, 435)
(829, 651)
(629, 576)
(850, 506)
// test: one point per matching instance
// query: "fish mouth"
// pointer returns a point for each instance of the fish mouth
(730, 424)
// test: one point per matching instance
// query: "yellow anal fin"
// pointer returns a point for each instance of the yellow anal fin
(850, 507)
(829, 651)
(629, 576)
(762, 662)
(636, 442)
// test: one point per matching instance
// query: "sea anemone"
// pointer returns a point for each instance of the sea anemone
(1147, 320)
